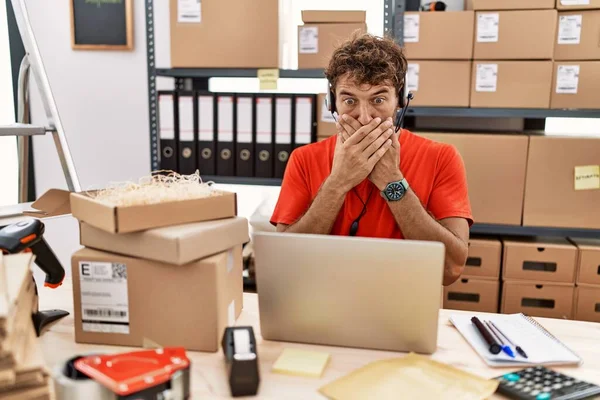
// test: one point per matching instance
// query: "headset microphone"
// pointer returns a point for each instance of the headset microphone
(400, 115)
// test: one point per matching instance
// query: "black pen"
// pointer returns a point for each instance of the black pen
(494, 348)
(518, 348)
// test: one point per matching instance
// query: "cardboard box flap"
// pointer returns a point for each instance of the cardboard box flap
(52, 203)
(587, 243)
(330, 16)
(554, 242)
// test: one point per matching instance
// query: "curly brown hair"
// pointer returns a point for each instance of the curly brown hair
(368, 59)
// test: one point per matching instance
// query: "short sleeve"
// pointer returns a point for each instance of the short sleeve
(450, 196)
(295, 196)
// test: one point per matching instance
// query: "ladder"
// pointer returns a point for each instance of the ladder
(22, 129)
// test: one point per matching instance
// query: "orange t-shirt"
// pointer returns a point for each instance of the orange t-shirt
(434, 171)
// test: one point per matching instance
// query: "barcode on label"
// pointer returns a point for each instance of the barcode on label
(104, 312)
(119, 271)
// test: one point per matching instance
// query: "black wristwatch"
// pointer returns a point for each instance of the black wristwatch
(395, 191)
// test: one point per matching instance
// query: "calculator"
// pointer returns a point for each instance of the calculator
(540, 383)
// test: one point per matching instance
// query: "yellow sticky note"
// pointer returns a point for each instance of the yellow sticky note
(587, 177)
(268, 78)
(301, 362)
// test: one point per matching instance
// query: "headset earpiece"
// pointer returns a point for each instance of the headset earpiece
(330, 99)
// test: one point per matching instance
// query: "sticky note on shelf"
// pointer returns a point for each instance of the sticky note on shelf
(587, 177)
(268, 78)
(301, 362)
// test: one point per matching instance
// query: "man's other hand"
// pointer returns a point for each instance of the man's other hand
(355, 158)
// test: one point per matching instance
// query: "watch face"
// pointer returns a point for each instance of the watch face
(394, 191)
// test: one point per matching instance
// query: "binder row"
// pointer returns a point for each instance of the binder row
(226, 134)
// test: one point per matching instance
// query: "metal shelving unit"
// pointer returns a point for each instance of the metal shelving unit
(393, 18)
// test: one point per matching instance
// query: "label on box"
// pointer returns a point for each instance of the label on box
(574, 2)
(411, 28)
(487, 27)
(104, 298)
(487, 78)
(189, 11)
(231, 313)
(412, 76)
(569, 29)
(567, 79)
(268, 79)
(309, 40)
(587, 177)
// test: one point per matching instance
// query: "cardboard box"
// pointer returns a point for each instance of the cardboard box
(576, 85)
(439, 83)
(578, 36)
(323, 32)
(326, 122)
(177, 244)
(515, 35)
(117, 219)
(472, 295)
(225, 34)
(511, 84)
(156, 304)
(511, 4)
(484, 259)
(587, 303)
(588, 261)
(549, 300)
(561, 187)
(540, 260)
(577, 4)
(439, 35)
(497, 158)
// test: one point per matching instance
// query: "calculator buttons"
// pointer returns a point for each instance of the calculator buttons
(512, 377)
(567, 383)
(543, 396)
(526, 389)
(557, 386)
(535, 392)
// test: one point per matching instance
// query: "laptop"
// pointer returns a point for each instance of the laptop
(381, 294)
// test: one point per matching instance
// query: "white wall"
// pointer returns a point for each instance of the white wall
(9, 173)
(102, 99)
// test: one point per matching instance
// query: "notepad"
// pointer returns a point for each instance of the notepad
(301, 362)
(539, 344)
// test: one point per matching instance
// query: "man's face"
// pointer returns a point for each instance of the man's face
(365, 102)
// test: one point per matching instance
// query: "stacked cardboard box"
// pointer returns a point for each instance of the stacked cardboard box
(22, 371)
(478, 288)
(166, 274)
(512, 53)
(587, 290)
(323, 32)
(439, 47)
(539, 277)
(576, 80)
(325, 120)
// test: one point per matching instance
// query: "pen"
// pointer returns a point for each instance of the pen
(519, 349)
(494, 346)
(506, 348)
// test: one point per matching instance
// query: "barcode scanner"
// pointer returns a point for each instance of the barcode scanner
(28, 236)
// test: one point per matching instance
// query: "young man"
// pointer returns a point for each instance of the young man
(370, 180)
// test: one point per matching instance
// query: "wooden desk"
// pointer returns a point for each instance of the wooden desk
(208, 370)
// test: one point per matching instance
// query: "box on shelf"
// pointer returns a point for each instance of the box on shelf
(562, 187)
(550, 300)
(587, 303)
(497, 158)
(540, 260)
(123, 219)
(511, 84)
(577, 4)
(514, 35)
(148, 303)
(251, 39)
(576, 84)
(323, 32)
(578, 34)
(472, 295)
(439, 83)
(177, 244)
(510, 4)
(439, 35)
(326, 122)
(484, 259)
(588, 267)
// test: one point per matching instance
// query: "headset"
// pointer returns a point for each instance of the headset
(403, 102)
